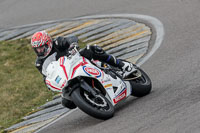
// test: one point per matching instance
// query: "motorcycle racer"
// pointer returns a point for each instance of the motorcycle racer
(48, 49)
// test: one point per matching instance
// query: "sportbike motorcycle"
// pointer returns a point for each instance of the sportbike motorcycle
(93, 86)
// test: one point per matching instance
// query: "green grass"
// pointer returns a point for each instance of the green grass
(22, 88)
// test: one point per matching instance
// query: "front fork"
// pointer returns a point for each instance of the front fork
(80, 82)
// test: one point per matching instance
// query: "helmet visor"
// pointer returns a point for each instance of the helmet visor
(40, 51)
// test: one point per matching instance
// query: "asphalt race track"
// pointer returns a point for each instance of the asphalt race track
(173, 106)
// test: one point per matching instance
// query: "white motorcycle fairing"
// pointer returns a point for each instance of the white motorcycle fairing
(67, 68)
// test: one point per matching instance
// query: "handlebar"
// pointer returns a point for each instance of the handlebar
(72, 51)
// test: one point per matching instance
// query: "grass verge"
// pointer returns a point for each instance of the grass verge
(22, 89)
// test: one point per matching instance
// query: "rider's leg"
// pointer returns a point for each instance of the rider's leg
(97, 53)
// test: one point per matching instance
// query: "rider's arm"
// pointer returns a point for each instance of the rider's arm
(63, 43)
(38, 65)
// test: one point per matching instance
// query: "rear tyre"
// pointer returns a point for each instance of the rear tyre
(142, 85)
(99, 107)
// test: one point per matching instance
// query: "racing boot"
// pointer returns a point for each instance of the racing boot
(68, 104)
(127, 68)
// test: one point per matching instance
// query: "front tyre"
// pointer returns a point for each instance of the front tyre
(67, 103)
(99, 106)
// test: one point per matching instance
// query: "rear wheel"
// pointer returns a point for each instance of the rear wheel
(99, 106)
(141, 85)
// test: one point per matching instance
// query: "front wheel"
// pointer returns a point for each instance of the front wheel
(142, 85)
(99, 106)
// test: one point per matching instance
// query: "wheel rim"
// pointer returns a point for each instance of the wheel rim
(98, 101)
(141, 79)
